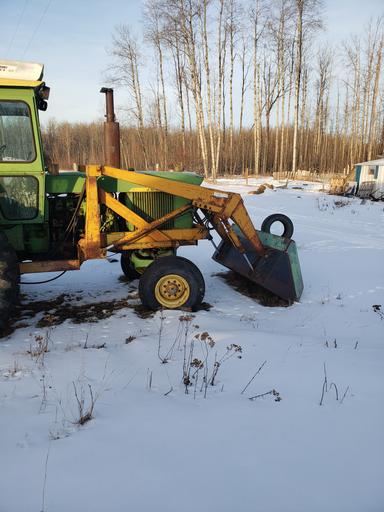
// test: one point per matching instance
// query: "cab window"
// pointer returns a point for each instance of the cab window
(19, 197)
(16, 134)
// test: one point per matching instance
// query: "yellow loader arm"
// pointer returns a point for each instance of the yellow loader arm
(223, 206)
(268, 260)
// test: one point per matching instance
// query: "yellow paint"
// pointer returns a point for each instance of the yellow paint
(175, 237)
(130, 216)
(146, 236)
(11, 82)
(150, 229)
(223, 206)
(49, 266)
(142, 189)
(90, 246)
(172, 291)
(226, 205)
(185, 190)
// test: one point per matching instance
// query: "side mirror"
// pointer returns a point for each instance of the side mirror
(42, 104)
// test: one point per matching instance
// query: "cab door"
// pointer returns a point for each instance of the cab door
(22, 181)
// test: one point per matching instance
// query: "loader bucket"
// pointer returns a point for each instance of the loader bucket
(278, 271)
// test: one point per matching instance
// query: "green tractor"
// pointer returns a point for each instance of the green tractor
(54, 221)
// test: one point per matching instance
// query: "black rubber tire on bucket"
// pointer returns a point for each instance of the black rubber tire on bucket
(172, 282)
(278, 217)
(128, 269)
(9, 280)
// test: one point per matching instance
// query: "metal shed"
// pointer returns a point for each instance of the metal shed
(370, 179)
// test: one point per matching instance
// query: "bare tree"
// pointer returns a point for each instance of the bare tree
(152, 16)
(216, 58)
(180, 80)
(323, 84)
(125, 71)
(233, 29)
(187, 15)
(377, 51)
(257, 30)
(271, 95)
(307, 12)
(245, 67)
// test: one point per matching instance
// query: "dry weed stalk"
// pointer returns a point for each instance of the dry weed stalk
(251, 380)
(272, 392)
(325, 389)
(40, 347)
(85, 411)
(193, 366)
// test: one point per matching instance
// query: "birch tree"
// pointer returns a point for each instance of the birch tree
(307, 20)
(257, 31)
(153, 32)
(125, 71)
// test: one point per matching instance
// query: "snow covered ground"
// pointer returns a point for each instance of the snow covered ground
(152, 447)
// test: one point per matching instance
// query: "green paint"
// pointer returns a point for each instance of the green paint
(65, 183)
(25, 186)
(34, 168)
(112, 185)
(289, 247)
(288, 263)
(142, 259)
(357, 173)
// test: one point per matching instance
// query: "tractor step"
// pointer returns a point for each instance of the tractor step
(278, 271)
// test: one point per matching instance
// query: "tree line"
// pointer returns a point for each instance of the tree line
(235, 86)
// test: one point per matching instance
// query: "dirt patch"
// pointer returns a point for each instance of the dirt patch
(142, 312)
(205, 306)
(124, 279)
(252, 290)
(66, 307)
(81, 313)
(261, 188)
(340, 203)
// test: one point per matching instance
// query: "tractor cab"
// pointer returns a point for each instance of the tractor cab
(22, 187)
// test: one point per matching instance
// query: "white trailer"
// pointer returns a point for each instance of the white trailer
(370, 179)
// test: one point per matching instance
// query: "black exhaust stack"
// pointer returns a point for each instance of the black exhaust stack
(111, 131)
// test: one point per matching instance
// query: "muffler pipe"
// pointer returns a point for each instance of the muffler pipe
(111, 131)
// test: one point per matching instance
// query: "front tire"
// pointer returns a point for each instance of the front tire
(9, 280)
(127, 267)
(172, 282)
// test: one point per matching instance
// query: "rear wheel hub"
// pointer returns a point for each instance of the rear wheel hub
(172, 291)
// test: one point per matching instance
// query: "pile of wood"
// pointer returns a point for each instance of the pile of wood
(337, 186)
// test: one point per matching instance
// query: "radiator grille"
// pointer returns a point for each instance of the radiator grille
(151, 206)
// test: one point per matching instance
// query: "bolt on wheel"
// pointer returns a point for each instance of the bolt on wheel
(172, 291)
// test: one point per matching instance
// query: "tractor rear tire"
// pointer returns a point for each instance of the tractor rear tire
(127, 267)
(9, 280)
(172, 282)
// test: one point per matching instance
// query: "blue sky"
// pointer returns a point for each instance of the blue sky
(72, 37)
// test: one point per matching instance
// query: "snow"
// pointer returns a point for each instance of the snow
(149, 445)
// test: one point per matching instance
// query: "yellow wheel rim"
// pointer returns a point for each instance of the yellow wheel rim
(172, 291)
